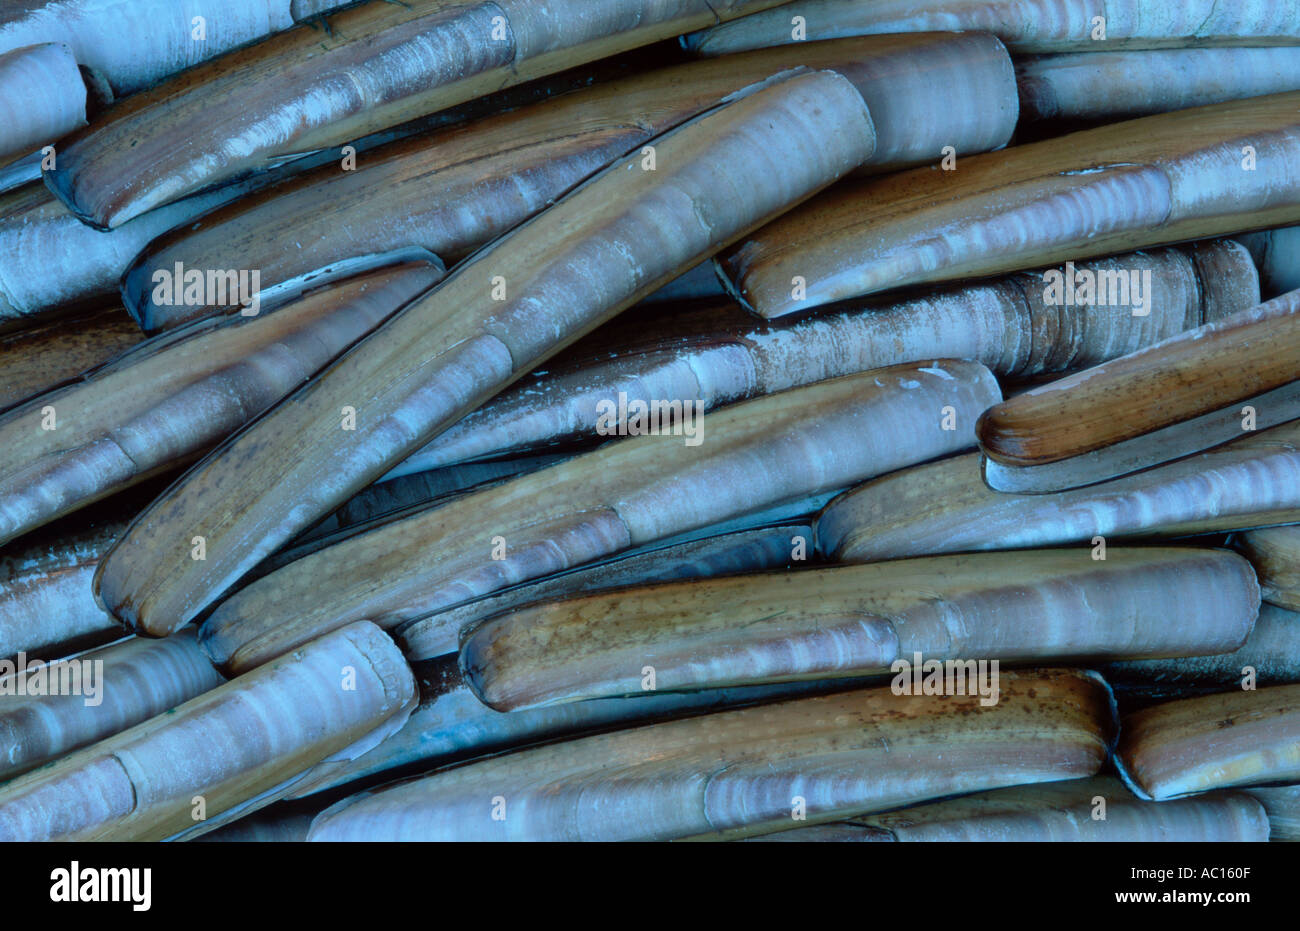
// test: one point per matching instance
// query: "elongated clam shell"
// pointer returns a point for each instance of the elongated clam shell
(1024, 25)
(1275, 554)
(42, 97)
(1117, 188)
(734, 772)
(238, 746)
(725, 554)
(47, 607)
(597, 251)
(1005, 325)
(945, 507)
(1055, 812)
(1270, 408)
(116, 687)
(54, 612)
(1278, 406)
(380, 64)
(451, 724)
(640, 489)
(1067, 811)
(1227, 285)
(1107, 85)
(1025, 606)
(1282, 803)
(51, 262)
(452, 191)
(1229, 739)
(1203, 377)
(172, 398)
(132, 45)
(39, 358)
(1271, 653)
(370, 509)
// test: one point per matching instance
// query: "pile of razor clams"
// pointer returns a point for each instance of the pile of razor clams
(831, 420)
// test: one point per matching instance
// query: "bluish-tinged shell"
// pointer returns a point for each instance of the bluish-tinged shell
(1024, 25)
(42, 97)
(328, 703)
(736, 772)
(945, 507)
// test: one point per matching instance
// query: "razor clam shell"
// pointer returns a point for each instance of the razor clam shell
(1275, 554)
(1202, 377)
(1232, 738)
(452, 191)
(1063, 811)
(1110, 85)
(42, 97)
(379, 64)
(51, 262)
(47, 608)
(132, 45)
(634, 491)
(1031, 606)
(451, 724)
(1057, 812)
(1272, 650)
(1024, 25)
(1282, 803)
(1223, 271)
(375, 506)
(139, 679)
(238, 746)
(1006, 325)
(1272, 408)
(945, 507)
(1117, 188)
(54, 612)
(734, 772)
(725, 554)
(40, 358)
(597, 251)
(171, 398)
